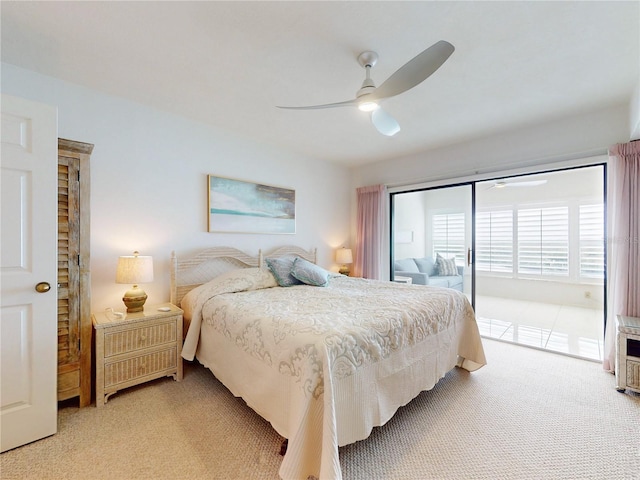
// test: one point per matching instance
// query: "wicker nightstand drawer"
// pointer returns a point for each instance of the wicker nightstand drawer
(136, 348)
(633, 374)
(130, 340)
(627, 353)
(137, 367)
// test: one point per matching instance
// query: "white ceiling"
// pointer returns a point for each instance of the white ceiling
(229, 63)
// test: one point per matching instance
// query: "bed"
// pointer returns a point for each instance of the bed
(323, 364)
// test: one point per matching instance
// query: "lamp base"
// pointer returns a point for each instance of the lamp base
(344, 270)
(134, 299)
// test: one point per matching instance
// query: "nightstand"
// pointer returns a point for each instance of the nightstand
(136, 348)
(628, 353)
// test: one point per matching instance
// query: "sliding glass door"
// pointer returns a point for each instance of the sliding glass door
(540, 260)
(431, 237)
(527, 250)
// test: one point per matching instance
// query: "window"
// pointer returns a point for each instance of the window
(592, 241)
(448, 236)
(544, 237)
(494, 241)
(543, 241)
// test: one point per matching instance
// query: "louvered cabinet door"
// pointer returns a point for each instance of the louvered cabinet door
(68, 276)
(74, 345)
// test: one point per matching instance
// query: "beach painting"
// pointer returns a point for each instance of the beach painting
(236, 206)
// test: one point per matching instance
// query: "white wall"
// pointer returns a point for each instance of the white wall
(149, 183)
(586, 295)
(534, 145)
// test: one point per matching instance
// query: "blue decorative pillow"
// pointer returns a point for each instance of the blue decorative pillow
(309, 273)
(281, 269)
(426, 265)
(406, 265)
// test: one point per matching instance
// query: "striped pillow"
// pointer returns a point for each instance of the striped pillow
(446, 266)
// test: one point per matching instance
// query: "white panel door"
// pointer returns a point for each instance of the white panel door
(28, 321)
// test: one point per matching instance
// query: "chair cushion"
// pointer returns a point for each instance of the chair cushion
(406, 265)
(453, 281)
(426, 265)
(438, 282)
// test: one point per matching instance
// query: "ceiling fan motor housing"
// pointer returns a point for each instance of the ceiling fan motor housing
(368, 59)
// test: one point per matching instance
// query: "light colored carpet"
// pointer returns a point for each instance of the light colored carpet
(527, 415)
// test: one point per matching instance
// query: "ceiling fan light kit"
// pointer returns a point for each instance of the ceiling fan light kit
(412, 73)
(384, 123)
(368, 106)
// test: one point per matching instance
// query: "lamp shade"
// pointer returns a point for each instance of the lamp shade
(135, 269)
(344, 256)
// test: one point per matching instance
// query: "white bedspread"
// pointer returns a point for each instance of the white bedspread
(326, 364)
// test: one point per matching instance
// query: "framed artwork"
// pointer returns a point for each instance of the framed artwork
(236, 206)
(404, 236)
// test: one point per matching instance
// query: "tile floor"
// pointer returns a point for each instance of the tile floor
(574, 331)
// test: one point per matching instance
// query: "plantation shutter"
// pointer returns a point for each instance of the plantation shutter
(448, 236)
(543, 241)
(592, 241)
(494, 241)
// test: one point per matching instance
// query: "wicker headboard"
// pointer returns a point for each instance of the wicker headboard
(309, 255)
(192, 272)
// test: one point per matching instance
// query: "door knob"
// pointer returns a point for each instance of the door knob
(43, 287)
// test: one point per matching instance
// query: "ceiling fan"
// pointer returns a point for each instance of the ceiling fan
(368, 98)
(528, 183)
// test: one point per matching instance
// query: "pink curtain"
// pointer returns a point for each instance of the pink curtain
(623, 216)
(370, 233)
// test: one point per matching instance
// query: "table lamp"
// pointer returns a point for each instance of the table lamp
(134, 269)
(344, 257)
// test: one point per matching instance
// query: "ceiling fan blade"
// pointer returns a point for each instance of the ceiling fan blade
(415, 71)
(529, 183)
(348, 103)
(384, 123)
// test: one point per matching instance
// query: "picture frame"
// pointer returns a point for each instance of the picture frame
(239, 206)
(404, 236)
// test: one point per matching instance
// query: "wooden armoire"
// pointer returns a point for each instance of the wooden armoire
(74, 282)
